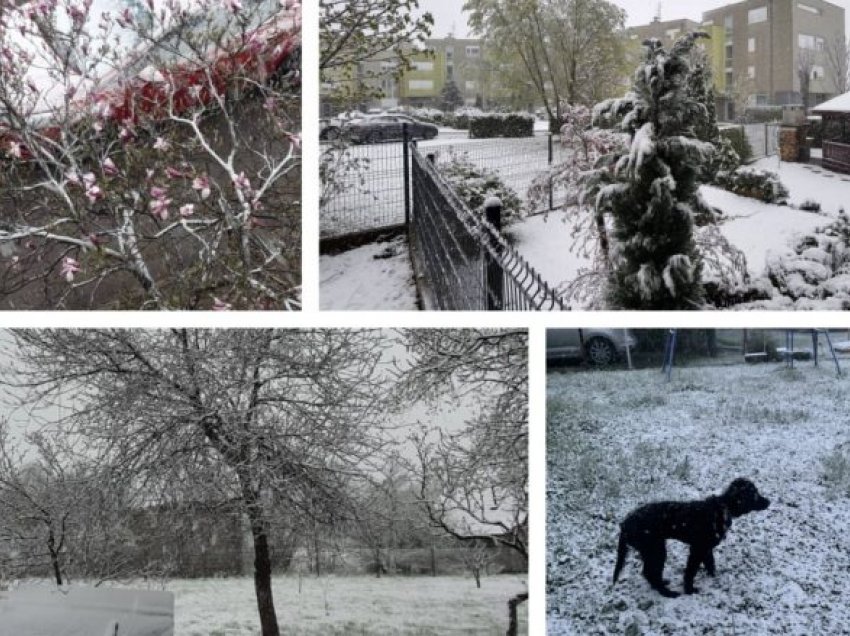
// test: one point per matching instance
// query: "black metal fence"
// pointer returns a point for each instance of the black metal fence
(466, 262)
(367, 190)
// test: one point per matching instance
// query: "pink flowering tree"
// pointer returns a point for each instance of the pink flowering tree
(150, 158)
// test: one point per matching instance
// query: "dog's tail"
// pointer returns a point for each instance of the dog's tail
(622, 551)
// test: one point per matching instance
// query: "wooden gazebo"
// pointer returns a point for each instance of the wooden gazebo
(836, 132)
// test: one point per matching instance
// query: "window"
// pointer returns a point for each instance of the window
(421, 85)
(805, 7)
(450, 52)
(729, 53)
(473, 51)
(730, 78)
(811, 42)
(757, 15)
(672, 33)
(751, 72)
(708, 23)
(729, 22)
(423, 66)
(817, 72)
(751, 45)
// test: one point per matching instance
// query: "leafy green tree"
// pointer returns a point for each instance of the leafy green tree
(562, 50)
(353, 32)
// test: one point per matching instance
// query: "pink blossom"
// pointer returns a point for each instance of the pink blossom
(234, 5)
(15, 149)
(149, 173)
(109, 167)
(158, 193)
(126, 18)
(294, 139)
(98, 127)
(187, 210)
(202, 185)
(94, 193)
(220, 305)
(159, 208)
(174, 173)
(242, 182)
(89, 179)
(69, 268)
(161, 144)
(73, 177)
(77, 15)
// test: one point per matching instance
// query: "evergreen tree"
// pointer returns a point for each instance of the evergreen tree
(701, 89)
(450, 97)
(651, 189)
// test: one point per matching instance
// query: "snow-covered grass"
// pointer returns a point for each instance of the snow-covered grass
(306, 606)
(353, 605)
(810, 182)
(377, 276)
(621, 438)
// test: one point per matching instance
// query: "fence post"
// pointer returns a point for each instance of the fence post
(406, 158)
(492, 269)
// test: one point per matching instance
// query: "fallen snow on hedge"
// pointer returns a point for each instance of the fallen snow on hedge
(618, 439)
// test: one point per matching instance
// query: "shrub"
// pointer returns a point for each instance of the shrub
(817, 266)
(755, 184)
(810, 205)
(497, 125)
(739, 142)
(474, 185)
(763, 114)
(835, 472)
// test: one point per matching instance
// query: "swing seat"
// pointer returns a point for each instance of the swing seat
(756, 358)
(797, 354)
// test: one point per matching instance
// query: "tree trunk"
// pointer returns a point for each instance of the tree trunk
(477, 574)
(433, 561)
(54, 557)
(512, 620)
(262, 559)
(263, 577)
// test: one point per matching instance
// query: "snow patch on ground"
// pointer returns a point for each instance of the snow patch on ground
(377, 276)
(810, 182)
(622, 438)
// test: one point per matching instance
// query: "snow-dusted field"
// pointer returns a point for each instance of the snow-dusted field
(377, 276)
(343, 606)
(621, 438)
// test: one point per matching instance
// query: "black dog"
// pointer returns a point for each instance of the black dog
(701, 524)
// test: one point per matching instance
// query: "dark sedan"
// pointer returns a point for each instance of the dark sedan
(388, 128)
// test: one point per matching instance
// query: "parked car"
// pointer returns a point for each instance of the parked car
(387, 128)
(158, 76)
(599, 347)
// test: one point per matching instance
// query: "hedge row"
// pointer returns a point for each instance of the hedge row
(739, 142)
(513, 125)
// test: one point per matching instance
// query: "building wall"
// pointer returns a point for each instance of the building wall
(763, 54)
(460, 60)
(667, 31)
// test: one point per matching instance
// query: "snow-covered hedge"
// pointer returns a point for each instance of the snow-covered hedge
(501, 125)
(474, 185)
(739, 142)
(817, 267)
(763, 185)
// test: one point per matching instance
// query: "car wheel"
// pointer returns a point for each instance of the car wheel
(332, 134)
(430, 134)
(600, 352)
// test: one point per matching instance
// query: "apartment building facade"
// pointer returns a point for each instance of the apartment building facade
(460, 60)
(756, 47)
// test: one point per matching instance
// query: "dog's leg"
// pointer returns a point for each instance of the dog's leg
(708, 561)
(654, 554)
(695, 559)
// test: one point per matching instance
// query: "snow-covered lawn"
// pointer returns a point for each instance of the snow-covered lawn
(621, 438)
(306, 606)
(377, 276)
(810, 182)
(352, 605)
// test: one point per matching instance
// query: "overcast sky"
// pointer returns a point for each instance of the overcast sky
(449, 16)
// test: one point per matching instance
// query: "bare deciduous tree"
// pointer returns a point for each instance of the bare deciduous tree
(837, 53)
(285, 417)
(474, 483)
